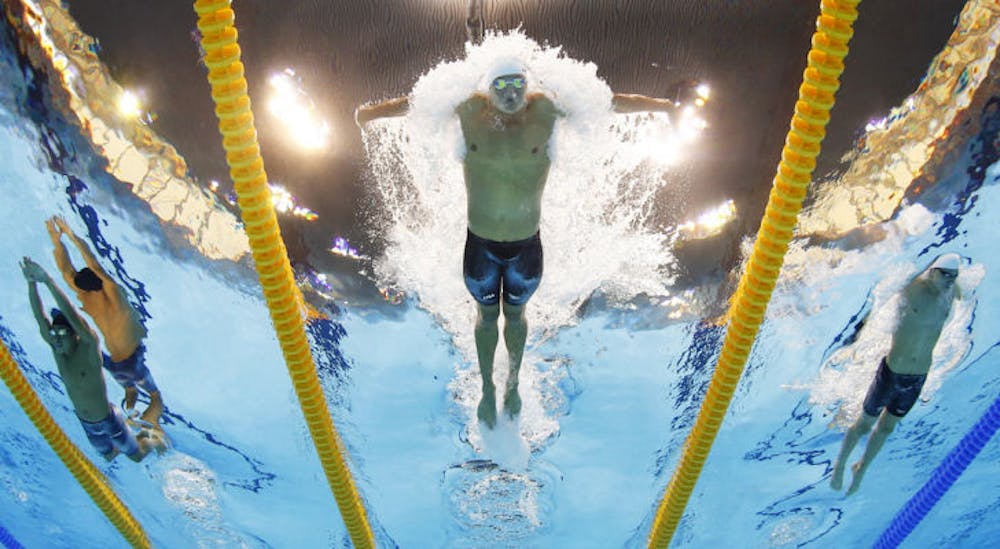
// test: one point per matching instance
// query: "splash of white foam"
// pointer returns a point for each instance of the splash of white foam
(191, 486)
(811, 272)
(596, 209)
(845, 376)
(504, 445)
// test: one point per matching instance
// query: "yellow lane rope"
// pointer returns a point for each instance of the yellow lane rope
(798, 160)
(246, 167)
(89, 477)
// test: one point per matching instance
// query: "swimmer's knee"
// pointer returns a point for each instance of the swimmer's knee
(489, 313)
(513, 312)
(887, 423)
(867, 421)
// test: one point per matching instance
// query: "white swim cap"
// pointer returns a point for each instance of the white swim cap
(503, 66)
(949, 262)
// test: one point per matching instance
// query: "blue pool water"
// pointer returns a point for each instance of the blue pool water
(610, 396)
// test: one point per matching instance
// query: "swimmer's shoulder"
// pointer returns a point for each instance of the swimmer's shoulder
(475, 103)
(543, 104)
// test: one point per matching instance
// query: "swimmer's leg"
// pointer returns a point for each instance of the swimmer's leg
(487, 335)
(131, 395)
(515, 332)
(886, 423)
(155, 409)
(860, 427)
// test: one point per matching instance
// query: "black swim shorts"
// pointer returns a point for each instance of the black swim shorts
(897, 393)
(516, 267)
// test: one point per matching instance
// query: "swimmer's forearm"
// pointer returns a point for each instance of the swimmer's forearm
(62, 260)
(88, 256)
(385, 109)
(626, 103)
(65, 306)
(36, 308)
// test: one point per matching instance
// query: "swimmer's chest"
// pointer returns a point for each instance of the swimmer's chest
(490, 141)
(923, 315)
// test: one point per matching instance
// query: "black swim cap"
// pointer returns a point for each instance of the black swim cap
(88, 281)
(59, 319)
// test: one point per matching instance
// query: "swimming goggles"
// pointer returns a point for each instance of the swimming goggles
(61, 331)
(947, 273)
(502, 83)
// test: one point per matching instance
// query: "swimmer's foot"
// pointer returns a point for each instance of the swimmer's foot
(131, 395)
(155, 409)
(837, 479)
(859, 472)
(487, 411)
(512, 403)
(153, 439)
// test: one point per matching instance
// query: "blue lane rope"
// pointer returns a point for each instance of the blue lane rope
(8, 540)
(941, 480)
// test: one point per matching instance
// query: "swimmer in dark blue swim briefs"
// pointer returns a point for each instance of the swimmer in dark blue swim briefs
(501, 272)
(506, 128)
(515, 268)
(925, 305)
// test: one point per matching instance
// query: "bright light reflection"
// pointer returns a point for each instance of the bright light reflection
(666, 142)
(128, 104)
(295, 110)
(691, 124)
(343, 248)
(284, 202)
(895, 114)
(709, 223)
(703, 92)
(879, 124)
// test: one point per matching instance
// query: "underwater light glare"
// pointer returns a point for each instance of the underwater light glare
(295, 110)
(709, 223)
(343, 248)
(285, 203)
(690, 125)
(703, 92)
(128, 104)
(666, 142)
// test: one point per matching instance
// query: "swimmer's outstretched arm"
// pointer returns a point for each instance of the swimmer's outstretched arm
(58, 227)
(59, 251)
(31, 274)
(384, 109)
(88, 256)
(626, 103)
(34, 274)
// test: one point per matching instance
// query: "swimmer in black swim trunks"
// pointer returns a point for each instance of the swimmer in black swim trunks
(925, 306)
(506, 132)
(75, 348)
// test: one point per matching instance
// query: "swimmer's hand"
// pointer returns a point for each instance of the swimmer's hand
(33, 272)
(54, 232)
(690, 93)
(63, 226)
